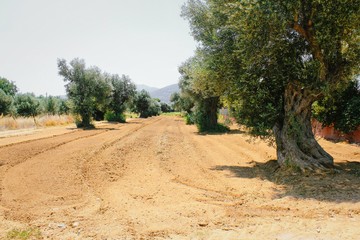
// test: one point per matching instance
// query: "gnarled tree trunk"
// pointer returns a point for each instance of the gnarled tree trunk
(296, 145)
(206, 114)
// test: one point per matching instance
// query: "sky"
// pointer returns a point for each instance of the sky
(146, 40)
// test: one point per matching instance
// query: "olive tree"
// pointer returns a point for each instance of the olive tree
(283, 55)
(8, 90)
(85, 87)
(145, 105)
(27, 105)
(123, 91)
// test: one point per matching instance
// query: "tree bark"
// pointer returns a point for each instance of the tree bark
(206, 114)
(295, 141)
(211, 108)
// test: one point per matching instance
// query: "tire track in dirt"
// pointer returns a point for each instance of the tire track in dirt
(206, 152)
(37, 139)
(157, 178)
(143, 196)
(28, 149)
(61, 143)
(238, 188)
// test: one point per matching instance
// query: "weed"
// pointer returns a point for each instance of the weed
(131, 115)
(30, 233)
(176, 114)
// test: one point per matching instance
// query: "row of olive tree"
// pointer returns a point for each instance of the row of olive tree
(99, 95)
(271, 61)
(15, 104)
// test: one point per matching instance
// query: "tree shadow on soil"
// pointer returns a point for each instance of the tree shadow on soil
(232, 131)
(94, 129)
(340, 185)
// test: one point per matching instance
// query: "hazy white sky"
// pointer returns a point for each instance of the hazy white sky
(144, 39)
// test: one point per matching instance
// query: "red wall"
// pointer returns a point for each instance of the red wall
(332, 134)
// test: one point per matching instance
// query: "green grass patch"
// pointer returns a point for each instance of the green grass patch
(131, 115)
(30, 233)
(177, 114)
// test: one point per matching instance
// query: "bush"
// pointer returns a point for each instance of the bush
(340, 109)
(115, 117)
(27, 105)
(80, 124)
(189, 119)
(5, 103)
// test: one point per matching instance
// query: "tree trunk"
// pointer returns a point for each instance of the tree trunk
(211, 108)
(36, 124)
(295, 141)
(206, 114)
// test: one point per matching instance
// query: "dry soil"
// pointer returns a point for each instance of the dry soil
(158, 178)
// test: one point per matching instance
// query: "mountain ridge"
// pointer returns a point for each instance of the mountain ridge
(161, 93)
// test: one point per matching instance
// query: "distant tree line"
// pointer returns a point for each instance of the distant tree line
(16, 104)
(95, 94)
(91, 95)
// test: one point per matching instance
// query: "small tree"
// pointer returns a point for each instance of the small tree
(194, 85)
(5, 103)
(142, 103)
(181, 102)
(165, 108)
(154, 108)
(51, 105)
(81, 88)
(64, 107)
(145, 105)
(27, 105)
(8, 87)
(8, 90)
(123, 91)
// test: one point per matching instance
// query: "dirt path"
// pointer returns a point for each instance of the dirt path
(157, 178)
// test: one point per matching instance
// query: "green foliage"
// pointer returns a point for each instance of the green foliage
(154, 108)
(182, 102)
(64, 107)
(87, 88)
(51, 105)
(205, 115)
(7, 92)
(341, 108)
(123, 91)
(145, 105)
(102, 94)
(93, 93)
(115, 117)
(27, 105)
(8, 87)
(200, 102)
(165, 108)
(250, 52)
(189, 118)
(5, 103)
(142, 103)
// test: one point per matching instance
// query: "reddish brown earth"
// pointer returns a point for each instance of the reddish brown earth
(157, 178)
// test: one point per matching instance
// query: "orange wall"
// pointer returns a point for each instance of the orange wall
(332, 134)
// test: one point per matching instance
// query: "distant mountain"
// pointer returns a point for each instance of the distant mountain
(149, 89)
(164, 93)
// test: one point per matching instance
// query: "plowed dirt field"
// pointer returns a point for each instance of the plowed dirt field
(158, 178)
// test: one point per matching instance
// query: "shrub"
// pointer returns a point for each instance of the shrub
(115, 117)
(189, 119)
